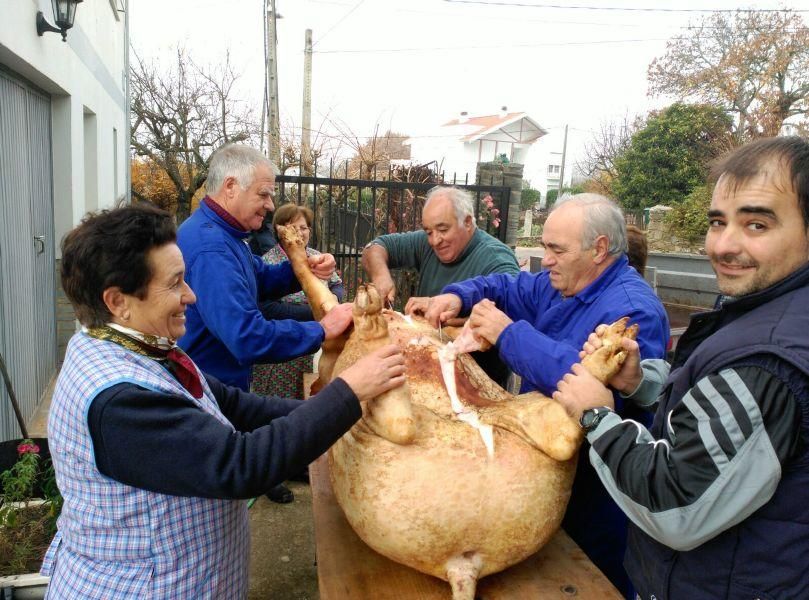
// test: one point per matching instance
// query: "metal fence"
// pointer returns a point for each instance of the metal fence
(349, 213)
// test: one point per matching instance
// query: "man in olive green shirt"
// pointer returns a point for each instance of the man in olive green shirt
(448, 249)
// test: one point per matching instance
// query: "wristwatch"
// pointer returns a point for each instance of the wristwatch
(591, 417)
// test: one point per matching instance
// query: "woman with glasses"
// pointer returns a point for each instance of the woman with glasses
(286, 379)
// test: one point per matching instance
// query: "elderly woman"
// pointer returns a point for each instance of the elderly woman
(286, 379)
(152, 456)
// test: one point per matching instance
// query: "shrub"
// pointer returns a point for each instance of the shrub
(689, 219)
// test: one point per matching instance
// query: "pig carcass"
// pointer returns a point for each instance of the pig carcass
(449, 474)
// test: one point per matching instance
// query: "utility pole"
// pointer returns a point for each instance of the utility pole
(562, 168)
(273, 126)
(306, 130)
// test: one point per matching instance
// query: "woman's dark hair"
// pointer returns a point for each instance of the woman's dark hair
(750, 160)
(638, 248)
(289, 212)
(109, 249)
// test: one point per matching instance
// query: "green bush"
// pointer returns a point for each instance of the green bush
(528, 198)
(689, 219)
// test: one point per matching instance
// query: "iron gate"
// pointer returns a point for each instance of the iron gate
(349, 213)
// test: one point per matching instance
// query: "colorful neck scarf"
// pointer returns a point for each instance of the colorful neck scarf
(156, 348)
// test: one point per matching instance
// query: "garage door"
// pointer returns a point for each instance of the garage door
(27, 278)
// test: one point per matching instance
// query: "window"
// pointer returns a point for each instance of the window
(554, 169)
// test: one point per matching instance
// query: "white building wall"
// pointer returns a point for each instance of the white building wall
(85, 76)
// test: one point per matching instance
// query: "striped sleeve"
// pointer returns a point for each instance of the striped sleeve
(730, 436)
(655, 372)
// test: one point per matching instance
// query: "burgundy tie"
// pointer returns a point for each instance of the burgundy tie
(185, 371)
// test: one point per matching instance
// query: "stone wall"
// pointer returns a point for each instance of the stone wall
(661, 238)
(496, 173)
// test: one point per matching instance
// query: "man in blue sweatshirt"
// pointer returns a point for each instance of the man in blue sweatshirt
(538, 323)
(226, 333)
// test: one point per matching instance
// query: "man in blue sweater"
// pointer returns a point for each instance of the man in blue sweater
(538, 323)
(226, 333)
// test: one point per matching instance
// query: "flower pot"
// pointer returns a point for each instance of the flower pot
(29, 585)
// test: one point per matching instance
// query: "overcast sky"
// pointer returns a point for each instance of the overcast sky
(411, 65)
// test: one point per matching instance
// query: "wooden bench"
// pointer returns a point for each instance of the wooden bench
(348, 569)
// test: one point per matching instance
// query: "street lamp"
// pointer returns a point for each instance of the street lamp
(64, 13)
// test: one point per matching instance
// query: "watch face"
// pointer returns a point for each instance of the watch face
(588, 418)
(591, 417)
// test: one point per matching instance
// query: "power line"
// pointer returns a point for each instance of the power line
(491, 47)
(343, 18)
(625, 9)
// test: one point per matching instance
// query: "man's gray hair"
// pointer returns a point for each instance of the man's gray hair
(602, 216)
(235, 160)
(462, 201)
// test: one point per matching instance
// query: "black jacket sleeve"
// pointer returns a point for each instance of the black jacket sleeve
(277, 310)
(167, 444)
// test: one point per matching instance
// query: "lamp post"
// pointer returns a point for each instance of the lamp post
(64, 13)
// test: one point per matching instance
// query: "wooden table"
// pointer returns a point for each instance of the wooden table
(347, 569)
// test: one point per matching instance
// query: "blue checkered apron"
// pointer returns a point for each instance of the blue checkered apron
(116, 541)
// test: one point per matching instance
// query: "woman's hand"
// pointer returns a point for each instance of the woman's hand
(322, 265)
(376, 373)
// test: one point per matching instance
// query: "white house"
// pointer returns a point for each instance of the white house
(458, 145)
(63, 151)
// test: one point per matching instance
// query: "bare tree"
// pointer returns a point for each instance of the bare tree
(181, 114)
(373, 153)
(290, 142)
(753, 64)
(609, 142)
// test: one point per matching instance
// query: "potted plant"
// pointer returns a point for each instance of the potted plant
(29, 506)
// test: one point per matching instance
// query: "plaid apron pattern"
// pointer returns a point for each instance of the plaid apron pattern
(116, 541)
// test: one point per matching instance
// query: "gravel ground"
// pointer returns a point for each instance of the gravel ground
(282, 557)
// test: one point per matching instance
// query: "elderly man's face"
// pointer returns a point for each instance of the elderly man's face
(250, 205)
(571, 267)
(446, 236)
(756, 234)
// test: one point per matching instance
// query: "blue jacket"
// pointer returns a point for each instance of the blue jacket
(225, 331)
(763, 556)
(544, 342)
(548, 330)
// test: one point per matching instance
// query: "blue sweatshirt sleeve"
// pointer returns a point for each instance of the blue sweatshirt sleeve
(543, 361)
(513, 295)
(539, 359)
(230, 311)
(167, 444)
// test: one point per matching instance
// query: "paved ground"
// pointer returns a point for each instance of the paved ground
(282, 561)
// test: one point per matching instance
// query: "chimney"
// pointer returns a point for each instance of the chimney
(463, 117)
(503, 111)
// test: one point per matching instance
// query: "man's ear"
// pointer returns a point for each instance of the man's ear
(468, 222)
(600, 249)
(230, 186)
(116, 302)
